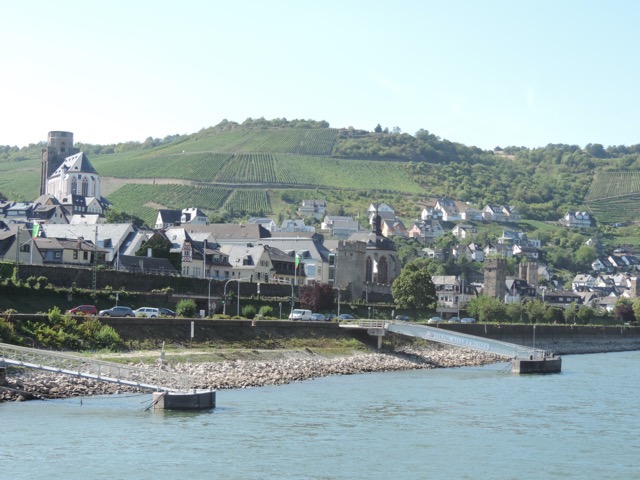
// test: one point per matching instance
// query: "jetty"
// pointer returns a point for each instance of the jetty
(170, 391)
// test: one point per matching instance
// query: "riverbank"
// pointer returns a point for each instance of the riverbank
(278, 367)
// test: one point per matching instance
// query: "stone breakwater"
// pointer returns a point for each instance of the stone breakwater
(293, 367)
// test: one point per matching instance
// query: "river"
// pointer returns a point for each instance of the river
(455, 423)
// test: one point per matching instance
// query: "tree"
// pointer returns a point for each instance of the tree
(317, 297)
(113, 216)
(487, 309)
(623, 310)
(378, 129)
(414, 289)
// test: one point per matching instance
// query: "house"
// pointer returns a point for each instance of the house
(471, 214)
(576, 220)
(449, 210)
(63, 251)
(383, 209)
(186, 216)
(167, 218)
(262, 263)
(393, 228)
(463, 231)
(295, 226)
(472, 252)
(430, 213)
(313, 208)
(532, 253)
(267, 223)
(19, 211)
(560, 298)
(498, 249)
(435, 253)
(204, 259)
(452, 292)
(511, 237)
(583, 282)
(109, 237)
(511, 213)
(426, 231)
(602, 265)
(193, 216)
(340, 226)
(493, 213)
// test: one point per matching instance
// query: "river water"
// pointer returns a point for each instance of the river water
(466, 423)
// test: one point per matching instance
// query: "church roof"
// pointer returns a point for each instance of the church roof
(78, 163)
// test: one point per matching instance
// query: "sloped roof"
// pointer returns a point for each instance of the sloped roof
(78, 163)
(170, 216)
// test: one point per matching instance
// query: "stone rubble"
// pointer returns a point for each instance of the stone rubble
(293, 367)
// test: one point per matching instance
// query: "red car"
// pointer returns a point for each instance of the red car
(84, 310)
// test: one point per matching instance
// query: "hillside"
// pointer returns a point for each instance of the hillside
(265, 167)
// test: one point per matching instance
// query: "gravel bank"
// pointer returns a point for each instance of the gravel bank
(293, 367)
(290, 366)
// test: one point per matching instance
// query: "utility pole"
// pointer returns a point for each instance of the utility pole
(95, 261)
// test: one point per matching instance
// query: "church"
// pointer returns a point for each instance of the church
(68, 176)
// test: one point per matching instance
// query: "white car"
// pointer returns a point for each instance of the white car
(435, 320)
(300, 314)
(148, 312)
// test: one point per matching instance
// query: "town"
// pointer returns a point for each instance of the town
(66, 227)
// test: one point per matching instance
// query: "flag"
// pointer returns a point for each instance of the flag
(36, 229)
(297, 260)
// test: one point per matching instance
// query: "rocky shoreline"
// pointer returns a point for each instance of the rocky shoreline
(296, 366)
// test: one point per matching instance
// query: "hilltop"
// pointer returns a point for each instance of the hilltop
(266, 167)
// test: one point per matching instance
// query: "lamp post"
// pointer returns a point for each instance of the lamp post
(280, 318)
(209, 299)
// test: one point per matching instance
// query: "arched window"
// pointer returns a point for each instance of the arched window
(85, 187)
(369, 270)
(74, 186)
(383, 271)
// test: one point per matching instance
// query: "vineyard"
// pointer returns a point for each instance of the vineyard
(248, 202)
(248, 168)
(614, 196)
(613, 184)
(144, 200)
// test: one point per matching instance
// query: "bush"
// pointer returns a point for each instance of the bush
(186, 308)
(266, 311)
(249, 311)
(7, 334)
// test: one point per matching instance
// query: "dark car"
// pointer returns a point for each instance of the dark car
(83, 310)
(346, 316)
(165, 312)
(403, 317)
(117, 312)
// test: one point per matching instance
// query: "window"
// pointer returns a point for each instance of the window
(75, 254)
(85, 255)
(57, 255)
(25, 248)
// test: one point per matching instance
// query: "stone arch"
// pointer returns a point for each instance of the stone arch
(85, 187)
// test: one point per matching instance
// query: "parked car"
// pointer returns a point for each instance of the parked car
(468, 320)
(454, 320)
(318, 317)
(117, 312)
(149, 312)
(403, 317)
(83, 310)
(435, 320)
(300, 314)
(346, 316)
(165, 312)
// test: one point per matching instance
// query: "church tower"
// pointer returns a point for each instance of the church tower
(59, 147)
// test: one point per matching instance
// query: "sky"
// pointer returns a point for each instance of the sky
(479, 72)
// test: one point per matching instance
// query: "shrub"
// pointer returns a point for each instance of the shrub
(42, 282)
(249, 311)
(7, 334)
(186, 308)
(266, 311)
(32, 281)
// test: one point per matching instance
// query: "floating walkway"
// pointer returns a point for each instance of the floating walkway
(523, 359)
(171, 391)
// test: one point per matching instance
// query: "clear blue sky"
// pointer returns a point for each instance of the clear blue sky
(482, 72)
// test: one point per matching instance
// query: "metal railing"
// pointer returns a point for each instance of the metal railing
(67, 364)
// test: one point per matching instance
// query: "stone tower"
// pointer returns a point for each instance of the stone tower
(634, 287)
(59, 147)
(529, 271)
(495, 276)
